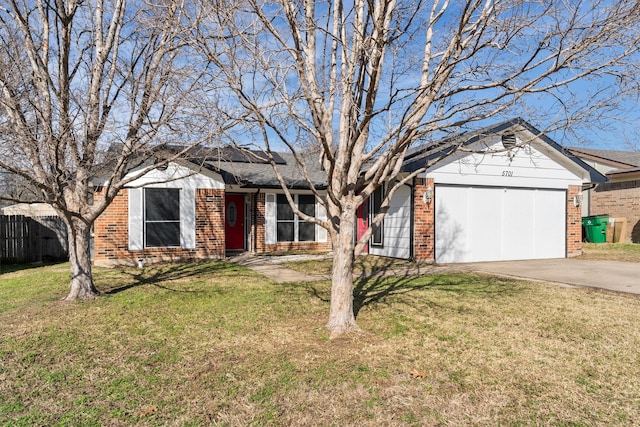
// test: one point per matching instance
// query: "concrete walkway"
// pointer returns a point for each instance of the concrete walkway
(272, 268)
(615, 276)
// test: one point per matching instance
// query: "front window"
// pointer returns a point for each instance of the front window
(291, 228)
(161, 217)
(376, 202)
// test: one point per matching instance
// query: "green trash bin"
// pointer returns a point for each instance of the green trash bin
(595, 228)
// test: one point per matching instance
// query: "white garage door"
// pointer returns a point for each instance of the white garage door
(495, 224)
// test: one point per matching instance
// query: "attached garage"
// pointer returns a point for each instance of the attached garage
(506, 192)
(498, 223)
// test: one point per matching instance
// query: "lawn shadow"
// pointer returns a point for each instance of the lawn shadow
(375, 289)
(386, 278)
(6, 268)
(157, 275)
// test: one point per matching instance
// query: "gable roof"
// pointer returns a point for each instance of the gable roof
(433, 152)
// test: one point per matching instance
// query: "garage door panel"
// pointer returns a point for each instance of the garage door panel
(551, 226)
(518, 218)
(493, 224)
(484, 214)
(452, 232)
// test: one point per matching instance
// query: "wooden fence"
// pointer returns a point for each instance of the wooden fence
(24, 239)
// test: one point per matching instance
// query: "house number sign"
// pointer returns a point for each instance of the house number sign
(507, 173)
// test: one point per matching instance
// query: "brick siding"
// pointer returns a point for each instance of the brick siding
(424, 223)
(574, 223)
(111, 233)
(619, 200)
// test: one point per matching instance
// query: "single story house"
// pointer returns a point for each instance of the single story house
(510, 192)
(619, 197)
(230, 202)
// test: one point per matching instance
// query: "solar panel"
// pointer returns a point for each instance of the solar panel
(237, 155)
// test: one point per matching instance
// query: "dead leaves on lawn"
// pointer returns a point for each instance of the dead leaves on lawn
(148, 410)
(418, 374)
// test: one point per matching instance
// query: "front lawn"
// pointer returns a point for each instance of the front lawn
(216, 344)
(611, 251)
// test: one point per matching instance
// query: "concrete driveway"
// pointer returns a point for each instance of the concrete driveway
(611, 275)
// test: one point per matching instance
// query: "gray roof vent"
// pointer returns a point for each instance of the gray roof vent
(509, 140)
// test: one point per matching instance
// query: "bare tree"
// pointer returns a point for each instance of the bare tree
(367, 80)
(87, 90)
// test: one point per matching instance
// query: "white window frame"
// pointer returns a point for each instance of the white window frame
(146, 221)
(296, 219)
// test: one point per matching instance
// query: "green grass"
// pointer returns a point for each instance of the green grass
(216, 344)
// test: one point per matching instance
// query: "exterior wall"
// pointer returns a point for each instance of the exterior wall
(619, 200)
(526, 167)
(258, 239)
(111, 232)
(396, 242)
(574, 223)
(424, 222)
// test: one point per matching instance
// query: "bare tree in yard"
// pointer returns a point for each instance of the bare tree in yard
(77, 77)
(364, 81)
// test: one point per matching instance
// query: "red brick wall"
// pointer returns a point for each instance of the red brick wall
(424, 224)
(111, 232)
(111, 229)
(258, 238)
(574, 223)
(619, 200)
(210, 233)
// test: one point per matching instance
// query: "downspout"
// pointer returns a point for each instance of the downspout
(412, 221)
(587, 188)
(254, 221)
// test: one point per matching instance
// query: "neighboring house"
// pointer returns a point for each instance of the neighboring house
(509, 193)
(29, 210)
(619, 197)
(229, 201)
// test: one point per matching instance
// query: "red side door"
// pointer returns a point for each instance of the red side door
(363, 222)
(234, 221)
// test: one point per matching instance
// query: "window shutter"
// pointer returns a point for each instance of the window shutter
(136, 221)
(188, 218)
(270, 218)
(321, 232)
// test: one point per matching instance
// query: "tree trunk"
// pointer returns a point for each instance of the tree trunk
(341, 317)
(82, 286)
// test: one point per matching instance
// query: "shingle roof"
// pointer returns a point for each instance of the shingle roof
(630, 158)
(252, 168)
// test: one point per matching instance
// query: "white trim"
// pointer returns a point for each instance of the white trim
(270, 218)
(321, 232)
(188, 218)
(136, 219)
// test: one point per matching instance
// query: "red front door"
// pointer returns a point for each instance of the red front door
(363, 222)
(234, 221)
